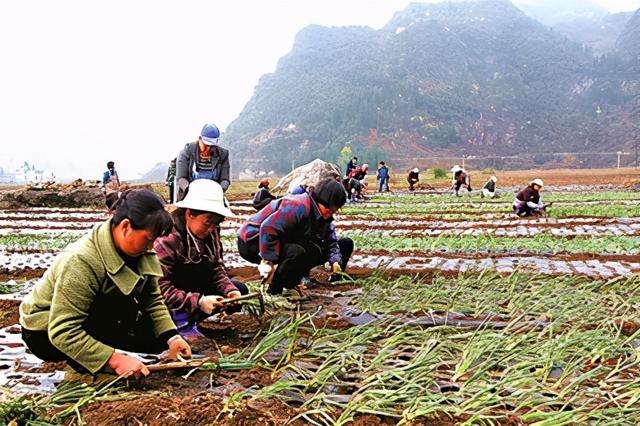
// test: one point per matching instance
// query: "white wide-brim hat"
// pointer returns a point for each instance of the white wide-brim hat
(537, 182)
(455, 168)
(206, 195)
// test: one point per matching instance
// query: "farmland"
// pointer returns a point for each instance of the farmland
(454, 312)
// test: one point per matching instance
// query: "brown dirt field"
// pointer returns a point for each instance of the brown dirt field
(20, 274)
(9, 314)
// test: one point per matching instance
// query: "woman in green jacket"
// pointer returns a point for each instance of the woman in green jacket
(102, 294)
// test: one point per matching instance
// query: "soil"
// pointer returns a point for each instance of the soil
(9, 314)
(196, 409)
(22, 274)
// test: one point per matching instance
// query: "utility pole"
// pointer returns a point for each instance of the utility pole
(619, 154)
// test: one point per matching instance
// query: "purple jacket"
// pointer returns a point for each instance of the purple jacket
(291, 219)
(191, 268)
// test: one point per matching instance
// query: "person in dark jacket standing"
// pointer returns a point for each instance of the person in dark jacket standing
(102, 294)
(263, 196)
(202, 159)
(352, 164)
(171, 177)
(413, 178)
(528, 202)
(194, 277)
(296, 233)
(383, 177)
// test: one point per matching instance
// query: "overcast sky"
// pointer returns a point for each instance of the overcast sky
(83, 82)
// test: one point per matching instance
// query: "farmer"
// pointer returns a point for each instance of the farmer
(352, 164)
(356, 183)
(460, 178)
(489, 188)
(383, 177)
(295, 233)
(263, 196)
(413, 178)
(194, 278)
(111, 174)
(171, 177)
(202, 159)
(102, 294)
(528, 202)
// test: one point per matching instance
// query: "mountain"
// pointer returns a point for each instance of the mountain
(628, 43)
(157, 173)
(476, 78)
(553, 12)
(599, 34)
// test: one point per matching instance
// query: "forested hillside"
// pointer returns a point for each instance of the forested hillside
(476, 79)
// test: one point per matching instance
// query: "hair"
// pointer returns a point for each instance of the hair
(355, 158)
(110, 164)
(144, 209)
(382, 163)
(330, 193)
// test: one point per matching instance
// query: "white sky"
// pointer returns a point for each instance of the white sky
(83, 82)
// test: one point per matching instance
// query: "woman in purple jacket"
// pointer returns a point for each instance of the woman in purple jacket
(195, 279)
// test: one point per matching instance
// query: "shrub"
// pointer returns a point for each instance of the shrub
(439, 173)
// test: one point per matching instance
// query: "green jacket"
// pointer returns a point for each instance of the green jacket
(86, 270)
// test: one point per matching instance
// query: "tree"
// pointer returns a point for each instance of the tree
(345, 156)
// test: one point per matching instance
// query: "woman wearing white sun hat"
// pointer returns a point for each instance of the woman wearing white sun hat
(413, 177)
(489, 188)
(528, 202)
(460, 178)
(195, 279)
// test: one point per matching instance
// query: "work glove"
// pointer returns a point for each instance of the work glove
(178, 346)
(125, 366)
(333, 268)
(264, 268)
(208, 303)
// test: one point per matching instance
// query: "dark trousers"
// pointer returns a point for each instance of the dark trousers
(171, 189)
(140, 339)
(296, 260)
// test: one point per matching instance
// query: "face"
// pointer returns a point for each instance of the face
(205, 150)
(132, 242)
(327, 212)
(202, 224)
(537, 188)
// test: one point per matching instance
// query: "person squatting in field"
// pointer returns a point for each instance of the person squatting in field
(202, 159)
(529, 202)
(489, 188)
(356, 182)
(296, 233)
(194, 278)
(101, 294)
(460, 178)
(262, 197)
(413, 178)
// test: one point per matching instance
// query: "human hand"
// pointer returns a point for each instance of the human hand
(178, 346)
(264, 268)
(208, 303)
(233, 294)
(125, 366)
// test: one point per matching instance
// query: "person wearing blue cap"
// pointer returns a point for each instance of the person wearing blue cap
(202, 159)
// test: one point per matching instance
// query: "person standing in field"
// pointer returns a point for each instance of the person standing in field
(171, 177)
(382, 177)
(352, 164)
(202, 159)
